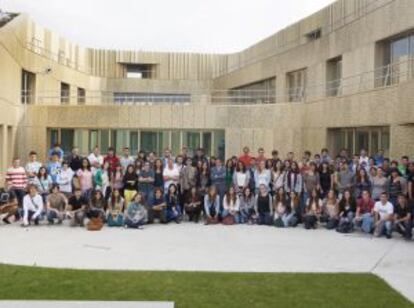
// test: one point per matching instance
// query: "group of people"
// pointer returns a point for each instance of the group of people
(370, 193)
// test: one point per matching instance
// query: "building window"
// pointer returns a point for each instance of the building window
(314, 34)
(395, 59)
(333, 76)
(64, 93)
(296, 85)
(81, 96)
(156, 141)
(140, 71)
(260, 92)
(356, 139)
(28, 86)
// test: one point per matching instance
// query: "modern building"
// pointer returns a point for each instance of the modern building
(340, 78)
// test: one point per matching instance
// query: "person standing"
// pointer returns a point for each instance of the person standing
(32, 167)
(17, 180)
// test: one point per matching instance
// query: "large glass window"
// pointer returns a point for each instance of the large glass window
(64, 93)
(333, 76)
(67, 139)
(149, 141)
(104, 140)
(28, 86)
(93, 139)
(219, 144)
(355, 139)
(140, 71)
(296, 85)
(260, 92)
(176, 141)
(207, 143)
(133, 142)
(192, 140)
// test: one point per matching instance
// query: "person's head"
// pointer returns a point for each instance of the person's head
(386, 163)
(262, 165)
(158, 193)
(294, 166)
(218, 162)
(118, 168)
(252, 162)
(344, 166)
(204, 166)
(32, 156)
(42, 173)
(306, 155)
(290, 156)
(395, 173)
(312, 166)
(55, 157)
(229, 164)
(269, 164)
(184, 150)
(324, 152)
(96, 151)
(231, 191)
(138, 164)
(147, 166)
(158, 163)
(317, 158)
(188, 162)
(172, 189)
(404, 160)
(212, 192)
(366, 195)
(275, 154)
(325, 167)
(55, 189)
(278, 166)
(16, 162)
(111, 151)
(384, 197)
(380, 172)
(116, 193)
(75, 151)
(78, 192)
(260, 152)
(98, 195)
(179, 160)
(331, 194)
(262, 189)
(199, 152)
(281, 192)
(240, 167)
(167, 153)
(247, 192)
(170, 163)
(125, 151)
(347, 195)
(130, 169)
(65, 165)
(138, 198)
(363, 153)
(402, 200)
(380, 153)
(32, 189)
(106, 166)
(246, 150)
(86, 164)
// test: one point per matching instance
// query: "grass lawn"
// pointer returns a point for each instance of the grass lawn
(200, 289)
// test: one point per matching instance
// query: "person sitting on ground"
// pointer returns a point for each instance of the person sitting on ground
(158, 207)
(402, 217)
(295, 209)
(77, 206)
(212, 206)
(263, 206)
(347, 209)
(313, 210)
(8, 203)
(383, 216)
(32, 206)
(231, 207)
(97, 206)
(364, 216)
(136, 214)
(247, 212)
(115, 211)
(281, 208)
(173, 204)
(56, 203)
(192, 205)
(330, 210)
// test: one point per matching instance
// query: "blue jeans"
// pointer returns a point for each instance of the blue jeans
(366, 222)
(384, 227)
(265, 219)
(52, 215)
(116, 221)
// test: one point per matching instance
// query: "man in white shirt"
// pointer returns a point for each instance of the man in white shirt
(383, 216)
(32, 206)
(95, 159)
(126, 159)
(32, 167)
(171, 174)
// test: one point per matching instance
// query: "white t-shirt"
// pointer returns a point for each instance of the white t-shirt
(383, 209)
(174, 172)
(93, 160)
(241, 178)
(33, 167)
(64, 179)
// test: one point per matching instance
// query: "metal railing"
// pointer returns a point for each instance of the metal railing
(381, 77)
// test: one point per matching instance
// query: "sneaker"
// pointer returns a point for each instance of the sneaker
(388, 236)
(126, 226)
(140, 227)
(6, 221)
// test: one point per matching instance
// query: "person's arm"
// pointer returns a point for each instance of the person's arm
(410, 190)
(39, 203)
(358, 209)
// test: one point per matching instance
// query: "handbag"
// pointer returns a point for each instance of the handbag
(94, 224)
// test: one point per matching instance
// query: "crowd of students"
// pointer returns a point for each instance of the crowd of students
(370, 194)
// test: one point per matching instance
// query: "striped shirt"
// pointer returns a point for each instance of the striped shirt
(16, 178)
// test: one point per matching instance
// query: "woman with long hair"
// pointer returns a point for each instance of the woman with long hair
(347, 209)
(43, 182)
(85, 177)
(136, 214)
(313, 210)
(158, 174)
(231, 207)
(247, 211)
(330, 210)
(362, 183)
(278, 176)
(130, 183)
(212, 206)
(241, 178)
(173, 204)
(97, 205)
(281, 209)
(115, 209)
(193, 205)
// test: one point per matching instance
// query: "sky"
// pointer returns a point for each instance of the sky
(214, 26)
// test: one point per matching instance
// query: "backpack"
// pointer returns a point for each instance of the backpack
(345, 226)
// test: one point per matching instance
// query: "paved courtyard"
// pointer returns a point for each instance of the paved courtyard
(191, 247)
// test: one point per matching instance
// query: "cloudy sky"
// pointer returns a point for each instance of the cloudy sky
(180, 25)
